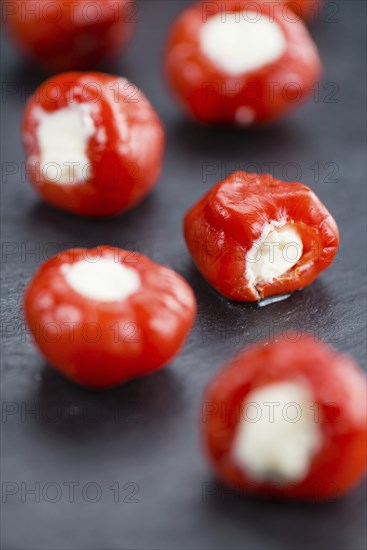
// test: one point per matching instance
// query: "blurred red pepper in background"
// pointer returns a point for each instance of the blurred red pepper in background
(212, 89)
(70, 34)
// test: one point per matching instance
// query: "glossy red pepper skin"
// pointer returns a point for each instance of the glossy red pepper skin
(101, 344)
(210, 95)
(339, 401)
(125, 153)
(224, 225)
(65, 35)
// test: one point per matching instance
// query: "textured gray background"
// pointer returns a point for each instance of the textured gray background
(145, 433)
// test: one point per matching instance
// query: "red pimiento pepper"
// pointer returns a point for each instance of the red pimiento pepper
(105, 315)
(253, 236)
(240, 62)
(70, 34)
(288, 419)
(93, 142)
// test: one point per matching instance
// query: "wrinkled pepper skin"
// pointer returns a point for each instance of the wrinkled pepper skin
(223, 226)
(100, 344)
(339, 396)
(65, 35)
(211, 96)
(125, 152)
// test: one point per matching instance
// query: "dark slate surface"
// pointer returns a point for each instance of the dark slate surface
(143, 437)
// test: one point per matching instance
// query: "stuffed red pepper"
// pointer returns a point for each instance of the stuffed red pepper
(288, 419)
(240, 62)
(253, 236)
(102, 316)
(94, 144)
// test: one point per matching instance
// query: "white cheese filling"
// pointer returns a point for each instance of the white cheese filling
(102, 279)
(278, 250)
(278, 434)
(63, 137)
(241, 42)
